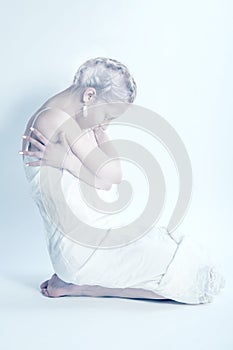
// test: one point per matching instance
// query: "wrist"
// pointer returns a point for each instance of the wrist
(70, 162)
(100, 135)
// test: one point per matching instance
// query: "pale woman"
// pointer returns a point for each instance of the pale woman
(158, 266)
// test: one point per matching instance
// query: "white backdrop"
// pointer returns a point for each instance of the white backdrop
(180, 54)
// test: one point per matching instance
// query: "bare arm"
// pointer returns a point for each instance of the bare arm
(59, 155)
(101, 137)
(51, 122)
(73, 165)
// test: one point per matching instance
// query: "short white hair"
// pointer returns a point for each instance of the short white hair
(110, 78)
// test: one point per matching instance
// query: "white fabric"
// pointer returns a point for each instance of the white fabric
(137, 264)
(171, 265)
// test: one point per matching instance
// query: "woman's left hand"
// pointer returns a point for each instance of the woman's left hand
(49, 153)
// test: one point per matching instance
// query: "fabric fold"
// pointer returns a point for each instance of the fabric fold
(191, 277)
(171, 265)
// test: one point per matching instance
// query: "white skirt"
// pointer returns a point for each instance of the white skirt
(171, 265)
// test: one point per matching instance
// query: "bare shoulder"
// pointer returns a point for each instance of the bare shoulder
(38, 120)
(48, 119)
(53, 120)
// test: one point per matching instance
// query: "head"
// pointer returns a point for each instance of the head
(104, 87)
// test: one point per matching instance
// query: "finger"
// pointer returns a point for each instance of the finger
(37, 163)
(62, 136)
(35, 142)
(32, 154)
(99, 129)
(40, 136)
(63, 139)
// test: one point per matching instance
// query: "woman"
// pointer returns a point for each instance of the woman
(157, 266)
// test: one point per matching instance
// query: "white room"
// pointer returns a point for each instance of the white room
(180, 54)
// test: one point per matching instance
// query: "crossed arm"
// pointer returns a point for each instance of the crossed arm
(101, 170)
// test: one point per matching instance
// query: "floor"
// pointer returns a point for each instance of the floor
(30, 320)
(33, 321)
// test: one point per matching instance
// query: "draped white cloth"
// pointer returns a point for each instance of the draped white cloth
(171, 265)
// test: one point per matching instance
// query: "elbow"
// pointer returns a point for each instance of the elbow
(116, 174)
(112, 173)
(106, 186)
(117, 177)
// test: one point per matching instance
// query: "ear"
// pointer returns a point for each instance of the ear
(89, 95)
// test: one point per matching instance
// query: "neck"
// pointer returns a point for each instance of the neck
(69, 103)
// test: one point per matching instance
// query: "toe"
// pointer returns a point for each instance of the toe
(45, 292)
(44, 284)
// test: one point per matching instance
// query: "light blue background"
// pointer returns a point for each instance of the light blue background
(180, 54)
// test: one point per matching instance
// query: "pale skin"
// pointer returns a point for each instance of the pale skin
(50, 147)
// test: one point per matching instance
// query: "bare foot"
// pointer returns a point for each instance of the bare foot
(55, 288)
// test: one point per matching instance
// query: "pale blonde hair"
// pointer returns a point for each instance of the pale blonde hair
(111, 79)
